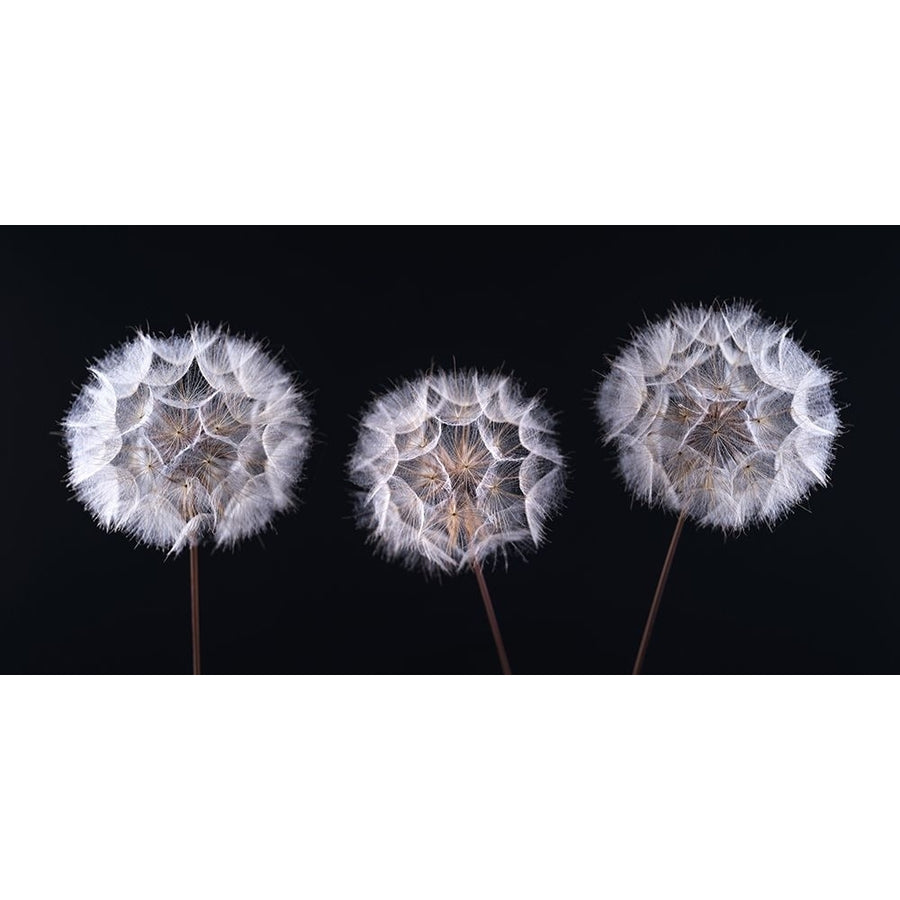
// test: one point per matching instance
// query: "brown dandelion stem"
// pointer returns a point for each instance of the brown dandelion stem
(195, 609)
(492, 618)
(660, 587)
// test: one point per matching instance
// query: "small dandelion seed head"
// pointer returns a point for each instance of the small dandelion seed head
(454, 467)
(179, 439)
(717, 412)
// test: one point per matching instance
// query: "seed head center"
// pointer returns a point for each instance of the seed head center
(722, 434)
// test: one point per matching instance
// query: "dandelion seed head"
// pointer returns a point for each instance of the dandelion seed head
(454, 467)
(719, 413)
(179, 439)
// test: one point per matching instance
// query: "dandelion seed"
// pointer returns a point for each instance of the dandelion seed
(718, 415)
(455, 468)
(188, 438)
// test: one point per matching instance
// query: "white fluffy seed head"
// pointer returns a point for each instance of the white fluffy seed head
(718, 413)
(455, 467)
(186, 438)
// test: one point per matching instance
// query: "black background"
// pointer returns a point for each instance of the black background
(353, 309)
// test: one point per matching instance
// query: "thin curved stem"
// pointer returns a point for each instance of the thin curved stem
(489, 608)
(660, 586)
(195, 609)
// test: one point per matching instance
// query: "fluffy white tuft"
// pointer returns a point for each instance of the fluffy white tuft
(718, 413)
(455, 467)
(179, 439)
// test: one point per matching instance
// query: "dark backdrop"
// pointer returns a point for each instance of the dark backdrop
(353, 309)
